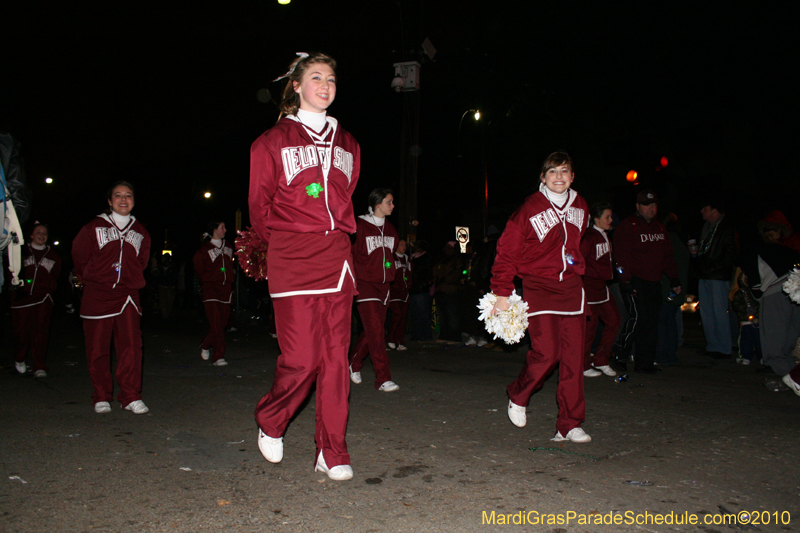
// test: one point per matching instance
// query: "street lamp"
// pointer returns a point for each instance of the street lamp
(476, 114)
(206, 195)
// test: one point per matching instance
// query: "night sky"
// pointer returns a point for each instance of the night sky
(166, 97)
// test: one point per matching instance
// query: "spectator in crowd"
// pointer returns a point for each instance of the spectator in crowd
(644, 252)
(421, 292)
(779, 318)
(167, 279)
(775, 227)
(716, 257)
(670, 320)
(449, 278)
(746, 306)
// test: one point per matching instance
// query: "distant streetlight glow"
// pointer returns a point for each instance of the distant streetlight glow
(48, 180)
(55, 243)
(207, 195)
(632, 175)
(284, 2)
(477, 115)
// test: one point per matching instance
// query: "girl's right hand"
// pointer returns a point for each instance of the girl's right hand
(500, 305)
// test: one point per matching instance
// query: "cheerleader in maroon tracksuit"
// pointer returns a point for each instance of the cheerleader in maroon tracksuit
(596, 250)
(213, 264)
(398, 298)
(32, 303)
(110, 254)
(541, 245)
(303, 173)
(373, 255)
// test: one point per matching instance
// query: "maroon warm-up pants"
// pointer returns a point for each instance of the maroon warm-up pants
(555, 340)
(31, 332)
(218, 314)
(397, 328)
(314, 337)
(609, 314)
(124, 328)
(372, 342)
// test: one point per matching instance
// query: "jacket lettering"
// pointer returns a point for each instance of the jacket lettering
(601, 249)
(374, 242)
(107, 235)
(651, 237)
(299, 158)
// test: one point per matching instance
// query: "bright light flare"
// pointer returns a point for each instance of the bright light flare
(477, 115)
(632, 175)
(207, 195)
(55, 243)
(48, 180)
(284, 2)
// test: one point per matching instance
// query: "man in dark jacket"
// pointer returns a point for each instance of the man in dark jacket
(716, 259)
(643, 251)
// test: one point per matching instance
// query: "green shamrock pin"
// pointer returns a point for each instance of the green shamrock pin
(314, 189)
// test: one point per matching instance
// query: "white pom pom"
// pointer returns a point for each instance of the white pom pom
(792, 285)
(509, 325)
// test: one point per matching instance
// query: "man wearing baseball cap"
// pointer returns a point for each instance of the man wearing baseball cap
(643, 251)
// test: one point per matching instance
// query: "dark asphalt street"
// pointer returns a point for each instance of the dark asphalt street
(701, 439)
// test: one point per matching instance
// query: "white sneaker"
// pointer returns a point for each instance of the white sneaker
(592, 373)
(102, 407)
(137, 407)
(792, 384)
(205, 354)
(745, 362)
(271, 449)
(338, 473)
(401, 348)
(220, 362)
(471, 342)
(391, 345)
(516, 413)
(481, 343)
(355, 377)
(607, 370)
(575, 435)
(21, 367)
(40, 374)
(389, 386)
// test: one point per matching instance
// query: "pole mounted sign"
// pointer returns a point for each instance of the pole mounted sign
(462, 236)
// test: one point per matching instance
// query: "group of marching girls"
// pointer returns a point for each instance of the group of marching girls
(303, 173)
(110, 254)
